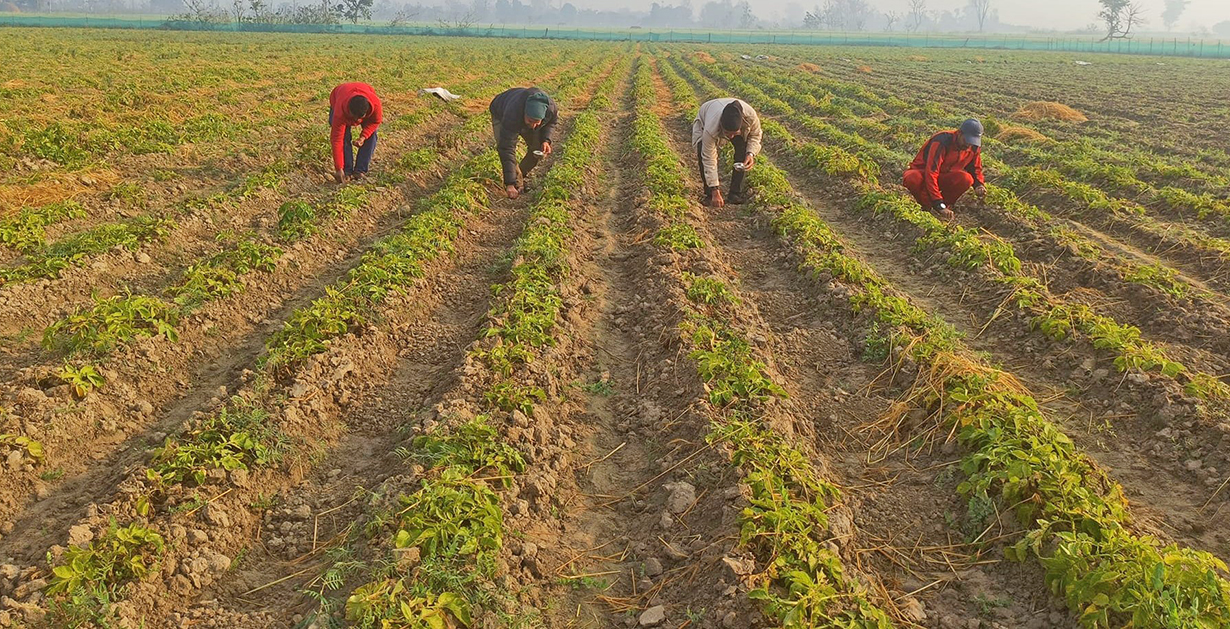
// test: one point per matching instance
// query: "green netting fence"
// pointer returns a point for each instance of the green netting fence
(1141, 46)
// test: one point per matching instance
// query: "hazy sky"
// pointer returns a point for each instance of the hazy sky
(1059, 14)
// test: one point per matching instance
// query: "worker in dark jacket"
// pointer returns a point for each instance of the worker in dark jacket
(350, 105)
(527, 112)
(946, 167)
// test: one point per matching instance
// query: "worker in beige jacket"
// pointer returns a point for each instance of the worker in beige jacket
(717, 121)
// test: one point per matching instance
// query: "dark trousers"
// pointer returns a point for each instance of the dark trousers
(736, 175)
(356, 163)
(531, 144)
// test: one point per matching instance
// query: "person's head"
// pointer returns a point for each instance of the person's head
(732, 119)
(536, 109)
(970, 133)
(359, 107)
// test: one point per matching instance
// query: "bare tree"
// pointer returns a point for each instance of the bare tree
(891, 18)
(405, 15)
(981, 9)
(1120, 16)
(1174, 8)
(237, 9)
(354, 10)
(916, 16)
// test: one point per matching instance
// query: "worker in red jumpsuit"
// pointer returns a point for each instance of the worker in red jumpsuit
(946, 167)
(351, 105)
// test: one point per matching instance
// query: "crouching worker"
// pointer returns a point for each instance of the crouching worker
(946, 167)
(353, 104)
(721, 120)
(529, 113)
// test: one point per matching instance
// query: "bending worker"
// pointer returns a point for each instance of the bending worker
(527, 112)
(718, 121)
(948, 164)
(353, 104)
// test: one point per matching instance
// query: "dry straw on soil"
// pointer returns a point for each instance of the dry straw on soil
(809, 67)
(865, 69)
(1049, 110)
(1012, 134)
(704, 57)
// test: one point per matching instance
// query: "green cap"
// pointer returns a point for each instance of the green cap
(536, 106)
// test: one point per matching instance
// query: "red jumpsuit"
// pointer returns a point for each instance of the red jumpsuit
(943, 172)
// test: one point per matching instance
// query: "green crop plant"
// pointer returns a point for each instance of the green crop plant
(708, 290)
(269, 178)
(475, 446)
(1074, 517)
(804, 583)
(390, 266)
(50, 260)
(237, 437)
(85, 580)
(1058, 321)
(509, 396)
(220, 275)
(390, 603)
(33, 449)
(345, 201)
(83, 379)
(24, 231)
(296, 220)
(111, 323)
(127, 192)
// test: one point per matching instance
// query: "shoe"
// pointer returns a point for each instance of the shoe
(740, 198)
(358, 175)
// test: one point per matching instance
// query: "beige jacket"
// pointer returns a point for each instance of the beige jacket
(707, 133)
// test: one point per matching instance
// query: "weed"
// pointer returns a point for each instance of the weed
(599, 387)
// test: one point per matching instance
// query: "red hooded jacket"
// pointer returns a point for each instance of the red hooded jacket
(941, 155)
(339, 101)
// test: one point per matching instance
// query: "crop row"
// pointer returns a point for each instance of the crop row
(453, 520)
(1056, 319)
(805, 583)
(1040, 225)
(1075, 519)
(242, 436)
(1147, 157)
(1043, 175)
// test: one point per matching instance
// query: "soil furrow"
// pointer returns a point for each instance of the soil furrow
(1155, 433)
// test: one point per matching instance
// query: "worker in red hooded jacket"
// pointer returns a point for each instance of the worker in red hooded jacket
(946, 167)
(350, 105)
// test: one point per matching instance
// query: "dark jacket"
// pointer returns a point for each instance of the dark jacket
(940, 155)
(509, 110)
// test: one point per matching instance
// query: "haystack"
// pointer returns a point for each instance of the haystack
(704, 57)
(809, 67)
(1013, 133)
(1049, 110)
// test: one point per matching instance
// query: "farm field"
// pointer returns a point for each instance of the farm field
(236, 394)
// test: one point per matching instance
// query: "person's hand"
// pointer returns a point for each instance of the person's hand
(749, 161)
(981, 191)
(546, 148)
(358, 142)
(715, 198)
(513, 192)
(339, 176)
